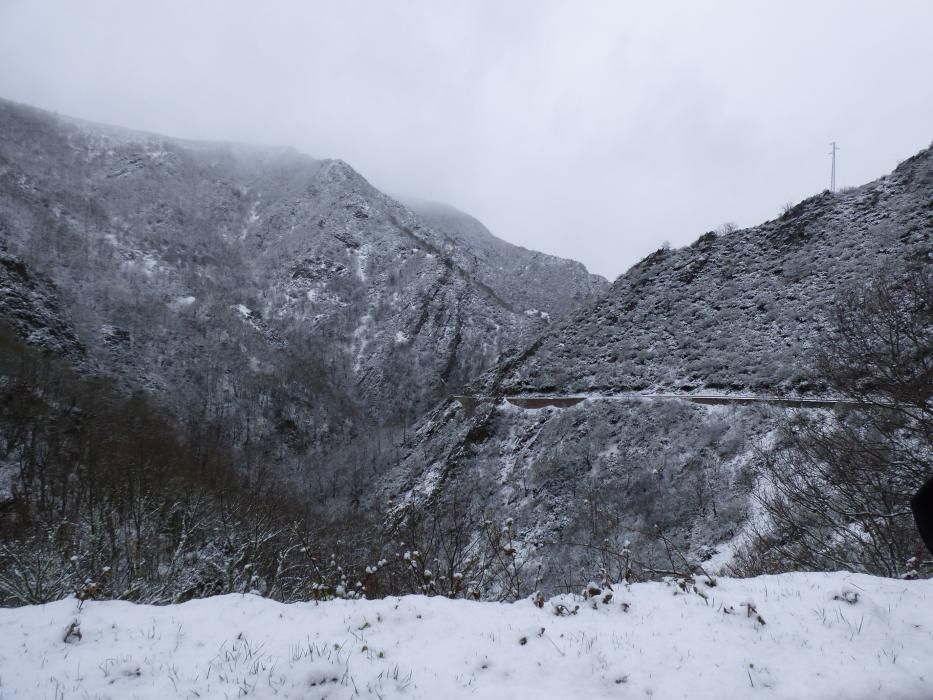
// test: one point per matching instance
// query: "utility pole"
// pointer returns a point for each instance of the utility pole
(832, 176)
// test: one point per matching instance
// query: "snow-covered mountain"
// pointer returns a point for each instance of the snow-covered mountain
(536, 281)
(283, 296)
(733, 312)
(313, 322)
(736, 313)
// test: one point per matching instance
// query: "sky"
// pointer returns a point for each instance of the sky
(597, 131)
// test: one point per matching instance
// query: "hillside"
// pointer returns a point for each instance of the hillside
(737, 311)
(537, 281)
(733, 313)
(281, 296)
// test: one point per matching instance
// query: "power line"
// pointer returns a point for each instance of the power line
(832, 176)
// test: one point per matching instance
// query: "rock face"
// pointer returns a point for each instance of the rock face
(734, 313)
(282, 296)
(31, 306)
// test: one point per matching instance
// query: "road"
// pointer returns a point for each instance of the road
(563, 401)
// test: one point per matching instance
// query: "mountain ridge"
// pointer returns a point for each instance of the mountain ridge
(876, 220)
(734, 312)
(283, 295)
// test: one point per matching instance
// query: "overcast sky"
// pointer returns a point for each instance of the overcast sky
(591, 130)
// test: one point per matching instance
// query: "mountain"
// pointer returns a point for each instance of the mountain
(733, 312)
(526, 278)
(279, 296)
(738, 313)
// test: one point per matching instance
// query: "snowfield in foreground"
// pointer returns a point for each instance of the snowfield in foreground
(789, 636)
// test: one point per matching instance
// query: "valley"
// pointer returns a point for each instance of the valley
(352, 359)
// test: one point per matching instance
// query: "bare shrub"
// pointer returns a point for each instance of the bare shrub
(837, 487)
(726, 228)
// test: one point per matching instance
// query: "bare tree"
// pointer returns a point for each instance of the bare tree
(837, 487)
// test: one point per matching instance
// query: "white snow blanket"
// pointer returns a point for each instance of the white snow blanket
(789, 636)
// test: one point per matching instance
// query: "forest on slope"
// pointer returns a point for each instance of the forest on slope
(220, 362)
(208, 350)
(678, 485)
(280, 297)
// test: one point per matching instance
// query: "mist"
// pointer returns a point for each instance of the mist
(590, 130)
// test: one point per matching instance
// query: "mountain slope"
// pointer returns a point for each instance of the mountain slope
(528, 279)
(281, 295)
(732, 313)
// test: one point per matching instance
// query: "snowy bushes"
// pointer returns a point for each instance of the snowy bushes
(837, 487)
(837, 491)
(109, 499)
(455, 550)
(33, 571)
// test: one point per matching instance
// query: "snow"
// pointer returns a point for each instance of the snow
(155, 153)
(150, 263)
(535, 313)
(362, 259)
(181, 302)
(253, 212)
(251, 219)
(362, 334)
(788, 636)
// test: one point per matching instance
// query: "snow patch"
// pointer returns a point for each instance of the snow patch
(535, 313)
(362, 257)
(179, 303)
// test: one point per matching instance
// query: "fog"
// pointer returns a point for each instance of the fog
(590, 130)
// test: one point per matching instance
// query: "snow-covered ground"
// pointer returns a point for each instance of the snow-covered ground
(789, 636)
